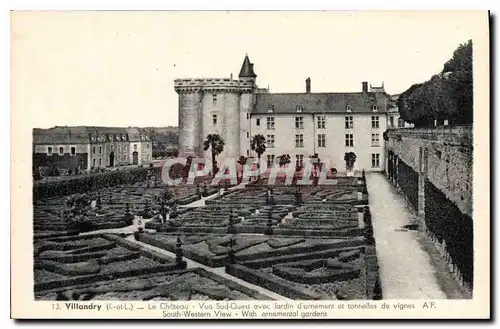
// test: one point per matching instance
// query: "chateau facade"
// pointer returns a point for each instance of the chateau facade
(298, 124)
(84, 148)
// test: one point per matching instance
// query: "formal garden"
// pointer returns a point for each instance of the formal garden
(299, 242)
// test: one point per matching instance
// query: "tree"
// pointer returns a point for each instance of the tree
(216, 144)
(242, 161)
(316, 161)
(258, 144)
(446, 96)
(284, 160)
(350, 159)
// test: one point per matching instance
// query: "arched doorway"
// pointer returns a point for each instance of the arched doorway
(135, 158)
(112, 159)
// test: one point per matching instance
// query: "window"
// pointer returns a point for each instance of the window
(270, 141)
(93, 150)
(248, 134)
(248, 116)
(299, 122)
(375, 140)
(299, 140)
(270, 108)
(375, 160)
(401, 123)
(214, 98)
(135, 146)
(214, 119)
(349, 140)
(49, 150)
(321, 140)
(61, 150)
(348, 108)
(299, 160)
(375, 121)
(148, 145)
(349, 122)
(100, 149)
(321, 122)
(100, 162)
(258, 122)
(119, 147)
(391, 122)
(93, 163)
(73, 150)
(270, 160)
(270, 123)
(248, 153)
(299, 108)
(374, 108)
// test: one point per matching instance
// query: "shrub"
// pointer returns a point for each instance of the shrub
(52, 171)
(81, 184)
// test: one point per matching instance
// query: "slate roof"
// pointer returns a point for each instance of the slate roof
(133, 134)
(85, 134)
(358, 102)
(61, 135)
(247, 69)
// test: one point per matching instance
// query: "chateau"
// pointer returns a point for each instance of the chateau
(299, 124)
(84, 148)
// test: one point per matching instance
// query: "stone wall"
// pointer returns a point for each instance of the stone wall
(433, 168)
(446, 158)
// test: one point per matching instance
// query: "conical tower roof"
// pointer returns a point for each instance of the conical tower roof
(247, 69)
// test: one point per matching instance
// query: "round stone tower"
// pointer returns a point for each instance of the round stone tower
(216, 106)
(189, 91)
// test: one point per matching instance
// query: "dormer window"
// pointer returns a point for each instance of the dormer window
(271, 108)
(299, 108)
(348, 108)
(374, 108)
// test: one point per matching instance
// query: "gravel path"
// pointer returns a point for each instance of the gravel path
(406, 270)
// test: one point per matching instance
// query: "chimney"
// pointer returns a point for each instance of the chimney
(365, 87)
(231, 77)
(308, 85)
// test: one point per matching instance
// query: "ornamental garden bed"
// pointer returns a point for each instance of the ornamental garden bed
(192, 284)
(49, 217)
(212, 249)
(66, 261)
(338, 274)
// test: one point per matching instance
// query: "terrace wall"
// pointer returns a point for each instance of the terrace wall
(433, 169)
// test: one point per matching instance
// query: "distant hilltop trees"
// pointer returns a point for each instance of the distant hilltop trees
(165, 140)
(446, 96)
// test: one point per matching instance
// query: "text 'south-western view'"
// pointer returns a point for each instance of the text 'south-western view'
(255, 195)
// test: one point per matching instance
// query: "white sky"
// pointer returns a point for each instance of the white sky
(117, 68)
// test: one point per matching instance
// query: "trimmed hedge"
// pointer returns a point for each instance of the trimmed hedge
(156, 256)
(88, 182)
(188, 199)
(102, 277)
(212, 261)
(37, 236)
(231, 284)
(331, 233)
(294, 275)
(287, 257)
(278, 285)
